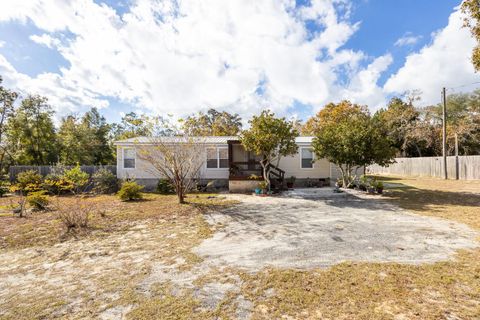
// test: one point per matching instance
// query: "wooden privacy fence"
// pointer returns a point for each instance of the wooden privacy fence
(44, 170)
(466, 168)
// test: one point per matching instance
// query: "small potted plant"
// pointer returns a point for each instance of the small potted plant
(339, 183)
(372, 186)
(262, 187)
(291, 182)
(379, 187)
(364, 182)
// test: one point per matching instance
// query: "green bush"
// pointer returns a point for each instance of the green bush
(104, 181)
(38, 200)
(29, 181)
(3, 188)
(57, 184)
(165, 187)
(77, 178)
(130, 190)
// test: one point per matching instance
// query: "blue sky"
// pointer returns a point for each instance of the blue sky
(383, 22)
(163, 57)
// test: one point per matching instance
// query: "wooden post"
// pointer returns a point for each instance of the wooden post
(457, 164)
(444, 131)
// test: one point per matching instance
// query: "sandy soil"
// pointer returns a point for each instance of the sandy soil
(311, 228)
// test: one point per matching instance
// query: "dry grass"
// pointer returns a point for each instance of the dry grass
(46, 228)
(449, 199)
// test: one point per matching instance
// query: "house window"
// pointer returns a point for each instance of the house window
(223, 157)
(307, 158)
(217, 158)
(212, 160)
(129, 158)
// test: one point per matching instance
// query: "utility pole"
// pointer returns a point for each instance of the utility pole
(444, 136)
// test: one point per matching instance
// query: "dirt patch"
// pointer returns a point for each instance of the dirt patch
(316, 228)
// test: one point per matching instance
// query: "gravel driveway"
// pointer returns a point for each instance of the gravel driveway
(310, 228)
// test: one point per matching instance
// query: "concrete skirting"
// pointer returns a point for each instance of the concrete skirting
(312, 182)
(151, 184)
(242, 186)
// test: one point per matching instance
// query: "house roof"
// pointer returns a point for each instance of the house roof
(207, 139)
(147, 140)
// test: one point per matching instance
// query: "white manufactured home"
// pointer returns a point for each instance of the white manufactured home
(229, 165)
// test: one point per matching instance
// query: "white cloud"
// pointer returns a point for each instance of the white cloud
(407, 40)
(45, 40)
(64, 96)
(443, 63)
(363, 87)
(2, 43)
(183, 56)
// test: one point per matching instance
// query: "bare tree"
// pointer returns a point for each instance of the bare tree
(174, 156)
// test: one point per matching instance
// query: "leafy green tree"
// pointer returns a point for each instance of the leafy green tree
(472, 21)
(347, 136)
(85, 140)
(97, 124)
(7, 99)
(271, 138)
(133, 125)
(400, 119)
(463, 120)
(31, 133)
(213, 123)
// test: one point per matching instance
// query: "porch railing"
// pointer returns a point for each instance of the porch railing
(250, 169)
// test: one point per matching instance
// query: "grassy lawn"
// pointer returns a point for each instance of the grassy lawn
(136, 262)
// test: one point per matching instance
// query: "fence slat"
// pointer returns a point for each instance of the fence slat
(468, 166)
(45, 170)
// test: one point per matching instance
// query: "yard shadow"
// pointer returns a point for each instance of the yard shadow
(412, 198)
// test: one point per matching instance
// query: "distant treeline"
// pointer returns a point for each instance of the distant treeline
(28, 135)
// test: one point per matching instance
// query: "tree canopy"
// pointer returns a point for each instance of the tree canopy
(271, 138)
(213, 123)
(349, 137)
(472, 21)
(85, 140)
(31, 133)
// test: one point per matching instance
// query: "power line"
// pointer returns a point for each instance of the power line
(463, 85)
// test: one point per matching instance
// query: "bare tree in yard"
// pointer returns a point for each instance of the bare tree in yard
(176, 157)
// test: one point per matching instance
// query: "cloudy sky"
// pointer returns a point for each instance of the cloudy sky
(179, 57)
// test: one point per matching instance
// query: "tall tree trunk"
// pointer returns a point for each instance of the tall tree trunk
(266, 176)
